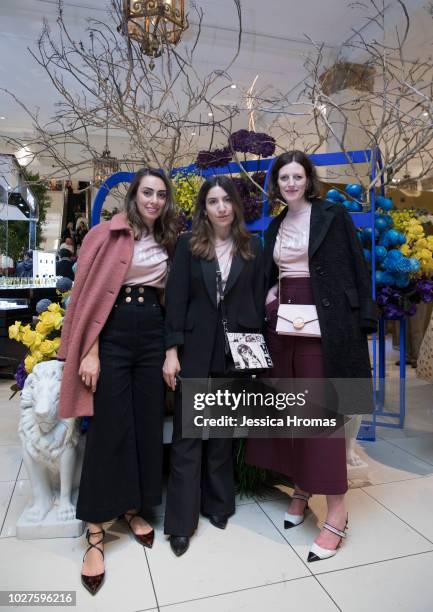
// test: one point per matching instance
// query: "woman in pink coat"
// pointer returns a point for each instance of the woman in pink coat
(112, 343)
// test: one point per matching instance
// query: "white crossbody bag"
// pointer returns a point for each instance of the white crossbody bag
(296, 319)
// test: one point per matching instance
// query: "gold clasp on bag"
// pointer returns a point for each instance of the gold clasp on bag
(298, 323)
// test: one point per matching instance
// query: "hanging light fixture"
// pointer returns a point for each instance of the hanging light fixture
(104, 166)
(154, 24)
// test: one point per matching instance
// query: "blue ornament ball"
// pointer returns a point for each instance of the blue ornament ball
(388, 278)
(393, 237)
(388, 220)
(367, 234)
(64, 284)
(335, 196)
(380, 253)
(403, 266)
(347, 204)
(367, 255)
(379, 278)
(402, 280)
(380, 224)
(356, 207)
(42, 305)
(354, 190)
(401, 238)
(384, 203)
(415, 264)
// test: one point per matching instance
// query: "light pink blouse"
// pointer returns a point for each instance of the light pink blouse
(149, 263)
(291, 255)
(224, 254)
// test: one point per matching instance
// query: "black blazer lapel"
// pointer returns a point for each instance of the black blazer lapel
(208, 268)
(270, 238)
(321, 219)
(235, 270)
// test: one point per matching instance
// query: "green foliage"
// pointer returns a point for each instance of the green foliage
(14, 235)
(249, 479)
(40, 191)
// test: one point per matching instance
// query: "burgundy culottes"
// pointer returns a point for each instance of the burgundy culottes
(315, 465)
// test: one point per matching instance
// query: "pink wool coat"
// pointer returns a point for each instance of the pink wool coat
(104, 260)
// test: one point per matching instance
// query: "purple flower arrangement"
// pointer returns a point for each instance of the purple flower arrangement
(396, 302)
(20, 375)
(213, 159)
(257, 143)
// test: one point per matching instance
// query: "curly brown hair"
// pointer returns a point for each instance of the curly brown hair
(313, 184)
(164, 229)
(203, 237)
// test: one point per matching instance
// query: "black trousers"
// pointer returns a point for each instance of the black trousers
(201, 479)
(123, 457)
(201, 471)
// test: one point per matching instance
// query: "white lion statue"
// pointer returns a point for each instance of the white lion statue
(49, 444)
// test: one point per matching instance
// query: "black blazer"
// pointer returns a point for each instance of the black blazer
(191, 303)
(341, 287)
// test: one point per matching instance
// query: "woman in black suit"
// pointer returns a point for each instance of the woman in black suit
(201, 473)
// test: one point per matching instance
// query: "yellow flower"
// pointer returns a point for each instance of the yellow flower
(15, 331)
(31, 338)
(54, 307)
(56, 342)
(47, 348)
(405, 249)
(43, 328)
(29, 363)
(49, 321)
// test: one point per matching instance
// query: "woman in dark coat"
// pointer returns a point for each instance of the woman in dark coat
(313, 246)
(201, 473)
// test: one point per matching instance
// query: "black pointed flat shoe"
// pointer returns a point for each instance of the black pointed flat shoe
(218, 521)
(93, 583)
(179, 544)
(145, 539)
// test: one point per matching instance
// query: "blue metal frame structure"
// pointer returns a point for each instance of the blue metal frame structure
(365, 219)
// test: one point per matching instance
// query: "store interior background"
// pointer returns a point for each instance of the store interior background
(254, 564)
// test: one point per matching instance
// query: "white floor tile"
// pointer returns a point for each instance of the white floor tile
(388, 463)
(9, 417)
(306, 592)
(420, 446)
(55, 565)
(401, 585)
(412, 501)
(6, 489)
(10, 461)
(374, 533)
(21, 496)
(249, 552)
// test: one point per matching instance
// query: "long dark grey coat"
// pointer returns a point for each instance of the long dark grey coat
(341, 287)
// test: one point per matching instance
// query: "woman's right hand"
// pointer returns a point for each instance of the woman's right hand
(89, 370)
(171, 367)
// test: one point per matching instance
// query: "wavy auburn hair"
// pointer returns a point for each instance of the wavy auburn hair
(312, 189)
(164, 229)
(202, 242)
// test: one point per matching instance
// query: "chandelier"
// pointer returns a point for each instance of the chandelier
(154, 24)
(105, 165)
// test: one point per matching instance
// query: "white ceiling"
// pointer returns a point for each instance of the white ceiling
(274, 44)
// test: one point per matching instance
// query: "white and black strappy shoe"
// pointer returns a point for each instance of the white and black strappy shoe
(292, 520)
(317, 553)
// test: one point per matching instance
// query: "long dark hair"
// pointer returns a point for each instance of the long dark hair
(203, 237)
(164, 229)
(313, 184)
